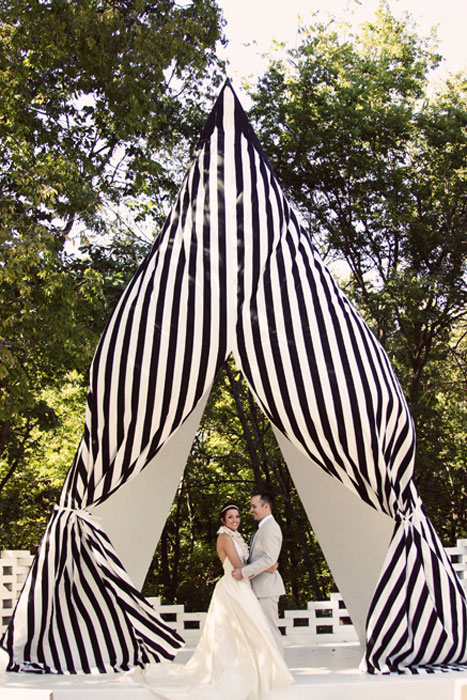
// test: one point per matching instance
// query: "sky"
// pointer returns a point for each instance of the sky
(261, 21)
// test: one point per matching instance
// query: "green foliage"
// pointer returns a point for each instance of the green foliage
(61, 332)
(374, 157)
(95, 97)
(43, 437)
(50, 439)
(442, 444)
(90, 86)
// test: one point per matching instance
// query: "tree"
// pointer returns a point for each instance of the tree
(95, 96)
(32, 478)
(39, 448)
(442, 444)
(375, 160)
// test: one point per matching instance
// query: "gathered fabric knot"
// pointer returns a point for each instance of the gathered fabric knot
(405, 517)
(81, 513)
(412, 512)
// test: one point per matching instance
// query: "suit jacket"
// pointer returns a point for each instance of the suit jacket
(264, 552)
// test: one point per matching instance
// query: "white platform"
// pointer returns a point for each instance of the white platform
(322, 672)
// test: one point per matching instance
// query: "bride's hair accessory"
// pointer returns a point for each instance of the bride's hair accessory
(228, 507)
(236, 536)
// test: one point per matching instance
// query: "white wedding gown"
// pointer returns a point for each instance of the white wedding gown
(236, 656)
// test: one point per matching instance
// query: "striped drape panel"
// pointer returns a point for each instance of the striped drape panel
(315, 369)
(326, 383)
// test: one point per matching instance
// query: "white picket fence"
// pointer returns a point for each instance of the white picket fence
(322, 621)
(14, 567)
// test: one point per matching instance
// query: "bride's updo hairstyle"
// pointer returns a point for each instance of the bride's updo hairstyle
(225, 508)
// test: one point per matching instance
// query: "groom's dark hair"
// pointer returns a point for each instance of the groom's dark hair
(265, 496)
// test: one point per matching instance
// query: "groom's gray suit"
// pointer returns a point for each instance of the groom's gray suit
(264, 552)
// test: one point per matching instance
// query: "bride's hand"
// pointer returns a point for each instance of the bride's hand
(272, 569)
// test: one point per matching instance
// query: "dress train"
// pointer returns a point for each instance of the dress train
(236, 657)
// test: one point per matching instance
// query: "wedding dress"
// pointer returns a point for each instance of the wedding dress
(236, 656)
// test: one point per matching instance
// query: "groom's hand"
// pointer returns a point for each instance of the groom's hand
(237, 574)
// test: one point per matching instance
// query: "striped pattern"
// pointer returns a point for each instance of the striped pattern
(313, 366)
(418, 617)
(81, 612)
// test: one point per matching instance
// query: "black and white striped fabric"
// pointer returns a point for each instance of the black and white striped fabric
(314, 367)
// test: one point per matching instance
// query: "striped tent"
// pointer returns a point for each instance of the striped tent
(233, 272)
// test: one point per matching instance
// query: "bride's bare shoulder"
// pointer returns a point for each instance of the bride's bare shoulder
(224, 542)
(223, 538)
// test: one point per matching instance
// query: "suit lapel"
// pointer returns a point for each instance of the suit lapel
(256, 533)
(253, 541)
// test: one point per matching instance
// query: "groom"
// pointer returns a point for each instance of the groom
(264, 552)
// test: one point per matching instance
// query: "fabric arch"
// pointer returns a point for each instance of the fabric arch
(314, 367)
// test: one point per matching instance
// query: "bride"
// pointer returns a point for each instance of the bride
(236, 656)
